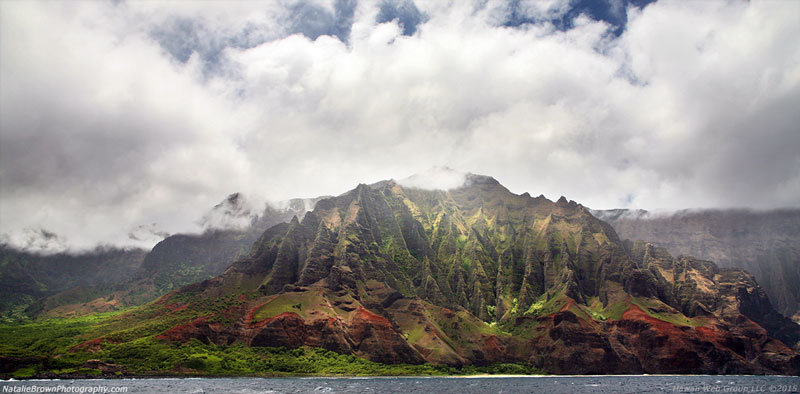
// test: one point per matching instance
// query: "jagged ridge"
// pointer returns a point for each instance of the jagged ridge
(550, 278)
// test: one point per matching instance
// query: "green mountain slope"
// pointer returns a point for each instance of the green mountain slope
(470, 276)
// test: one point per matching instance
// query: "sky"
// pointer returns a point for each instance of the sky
(121, 121)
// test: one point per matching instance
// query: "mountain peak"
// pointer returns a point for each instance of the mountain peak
(234, 212)
(475, 179)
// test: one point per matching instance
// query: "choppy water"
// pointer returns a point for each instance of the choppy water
(548, 384)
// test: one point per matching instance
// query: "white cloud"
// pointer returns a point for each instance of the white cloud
(435, 178)
(235, 212)
(104, 130)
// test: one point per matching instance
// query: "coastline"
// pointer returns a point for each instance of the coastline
(49, 377)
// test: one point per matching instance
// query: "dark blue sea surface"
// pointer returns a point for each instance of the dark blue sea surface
(407, 385)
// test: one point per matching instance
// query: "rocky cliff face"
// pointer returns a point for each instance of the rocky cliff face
(765, 244)
(478, 248)
(478, 275)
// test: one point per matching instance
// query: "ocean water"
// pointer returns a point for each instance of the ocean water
(407, 385)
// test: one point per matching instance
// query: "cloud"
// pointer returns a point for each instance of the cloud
(36, 240)
(235, 212)
(115, 115)
(147, 233)
(436, 178)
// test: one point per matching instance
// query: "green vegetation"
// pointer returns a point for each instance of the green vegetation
(298, 303)
(51, 345)
(491, 310)
(44, 346)
(501, 369)
(544, 306)
(47, 337)
(181, 273)
(659, 310)
(609, 312)
(147, 356)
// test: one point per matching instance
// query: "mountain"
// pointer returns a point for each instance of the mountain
(764, 243)
(182, 259)
(27, 279)
(470, 276)
(69, 284)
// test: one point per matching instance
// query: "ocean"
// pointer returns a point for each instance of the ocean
(407, 385)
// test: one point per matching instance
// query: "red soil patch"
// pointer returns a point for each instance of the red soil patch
(251, 313)
(571, 303)
(493, 344)
(183, 331)
(266, 321)
(364, 314)
(636, 313)
(673, 332)
(705, 331)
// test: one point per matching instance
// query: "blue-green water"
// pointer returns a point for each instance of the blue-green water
(438, 385)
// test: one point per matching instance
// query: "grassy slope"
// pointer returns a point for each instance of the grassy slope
(129, 339)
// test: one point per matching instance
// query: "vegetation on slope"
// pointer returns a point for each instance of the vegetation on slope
(471, 276)
(52, 347)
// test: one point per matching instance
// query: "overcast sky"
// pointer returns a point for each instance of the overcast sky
(121, 121)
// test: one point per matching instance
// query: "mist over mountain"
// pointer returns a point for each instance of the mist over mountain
(436, 178)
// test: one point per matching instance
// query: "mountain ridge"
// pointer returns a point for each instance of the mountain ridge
(469, 276)
(478, 274)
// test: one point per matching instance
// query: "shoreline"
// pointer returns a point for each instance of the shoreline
(476, 376)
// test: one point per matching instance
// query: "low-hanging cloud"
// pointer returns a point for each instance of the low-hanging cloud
(235, 212)
(435, 178)
(121, 118)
